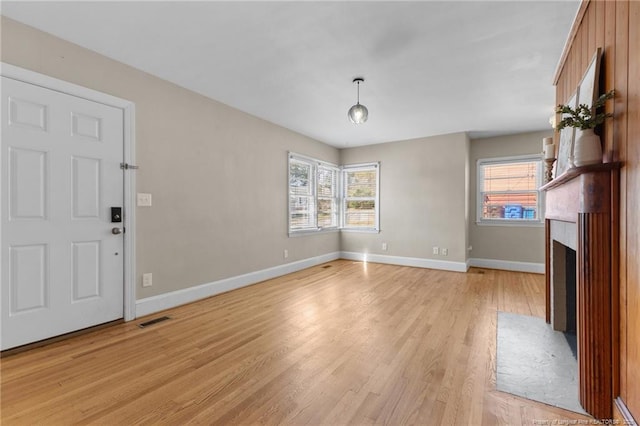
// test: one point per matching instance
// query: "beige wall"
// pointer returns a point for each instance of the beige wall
(511, 243)
(218, 176)
(211, 168)
(423, 199)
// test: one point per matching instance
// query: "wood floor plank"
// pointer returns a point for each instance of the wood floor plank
(351, 343)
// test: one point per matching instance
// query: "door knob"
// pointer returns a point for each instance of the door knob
(117, 231)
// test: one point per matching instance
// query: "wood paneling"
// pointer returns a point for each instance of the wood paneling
(633, 213)
(620, 72)
(615, 26)
(355, 343)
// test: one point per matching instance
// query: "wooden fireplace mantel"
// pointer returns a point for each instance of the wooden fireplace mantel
(588, 197)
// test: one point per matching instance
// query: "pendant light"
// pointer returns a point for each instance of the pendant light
(358, 113)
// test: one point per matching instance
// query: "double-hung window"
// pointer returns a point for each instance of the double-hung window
(323, 196)
(327, 192)
(313, 200)
(508, 190)
(360, 197)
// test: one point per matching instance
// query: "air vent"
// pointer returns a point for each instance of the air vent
(326, 266)
(152, 322)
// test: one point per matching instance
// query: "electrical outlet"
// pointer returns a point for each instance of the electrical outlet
(147, 279)
(444, 251)
(384, 246)
(435, 250)
(144, 200)
(286, 253)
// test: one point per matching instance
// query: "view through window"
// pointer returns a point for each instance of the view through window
(323, 196)
(360, 197)
(508, 189)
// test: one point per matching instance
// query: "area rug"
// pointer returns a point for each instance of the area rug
(536, 362)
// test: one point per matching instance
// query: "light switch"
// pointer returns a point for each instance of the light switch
(144, 200)
(147, 279)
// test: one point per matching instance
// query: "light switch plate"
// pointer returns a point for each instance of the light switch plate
(147, 279)
(144, 200)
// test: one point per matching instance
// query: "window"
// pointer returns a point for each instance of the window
(360, 200)
(325, 197)
(508, 190)
(313, 200)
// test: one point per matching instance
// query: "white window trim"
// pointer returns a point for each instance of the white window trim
(314, 192)
(340, 204)
(509, 222)
(357, 167)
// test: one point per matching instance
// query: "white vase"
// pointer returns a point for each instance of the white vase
(587, 149)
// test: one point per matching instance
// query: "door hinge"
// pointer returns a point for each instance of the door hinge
(127, 166)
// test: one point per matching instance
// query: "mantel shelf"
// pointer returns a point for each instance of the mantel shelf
(577, 171)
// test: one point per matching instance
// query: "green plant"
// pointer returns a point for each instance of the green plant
(584, 117)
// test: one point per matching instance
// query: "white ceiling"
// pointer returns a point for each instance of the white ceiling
(431, 67)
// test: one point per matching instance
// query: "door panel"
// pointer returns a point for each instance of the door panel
(62, 268)
(28, 278)
(27, 184)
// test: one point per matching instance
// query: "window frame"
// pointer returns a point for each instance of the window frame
(315, 166)
(481, 163)
(344, 199)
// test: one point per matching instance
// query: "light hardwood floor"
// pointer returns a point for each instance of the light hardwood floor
(341, 343)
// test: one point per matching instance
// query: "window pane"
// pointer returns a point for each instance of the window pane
(510, 206)
(326, 182)
(327, 212)
(299, 178)
(301, 213)
(518, 176)
(508, 190)
(360, 214)
(361, 183)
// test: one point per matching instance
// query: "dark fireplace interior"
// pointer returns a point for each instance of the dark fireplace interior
(570, 270)
(564, 303)
(570, 333)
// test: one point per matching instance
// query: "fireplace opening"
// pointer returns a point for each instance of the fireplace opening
(564, 303)
(570, 333)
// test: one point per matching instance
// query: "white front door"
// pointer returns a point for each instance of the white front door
(62, 267)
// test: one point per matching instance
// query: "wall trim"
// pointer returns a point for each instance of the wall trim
(161, 302)
(508, 265)
(153, 304)
(417, 262)
(624, 412)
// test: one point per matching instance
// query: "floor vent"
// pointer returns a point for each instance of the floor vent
(326, 266)
(152, 322)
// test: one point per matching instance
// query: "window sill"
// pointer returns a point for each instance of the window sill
(303, 233)
(306, 232)
(363, 230)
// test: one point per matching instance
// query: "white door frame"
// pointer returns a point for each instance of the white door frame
(128, 111)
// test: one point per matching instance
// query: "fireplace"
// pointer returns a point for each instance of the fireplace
(581, 260)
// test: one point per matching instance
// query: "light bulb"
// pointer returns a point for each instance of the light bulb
(358, 114)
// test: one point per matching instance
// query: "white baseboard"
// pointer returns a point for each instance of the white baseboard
(406, 261)
(507, 265)
(150, 305)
